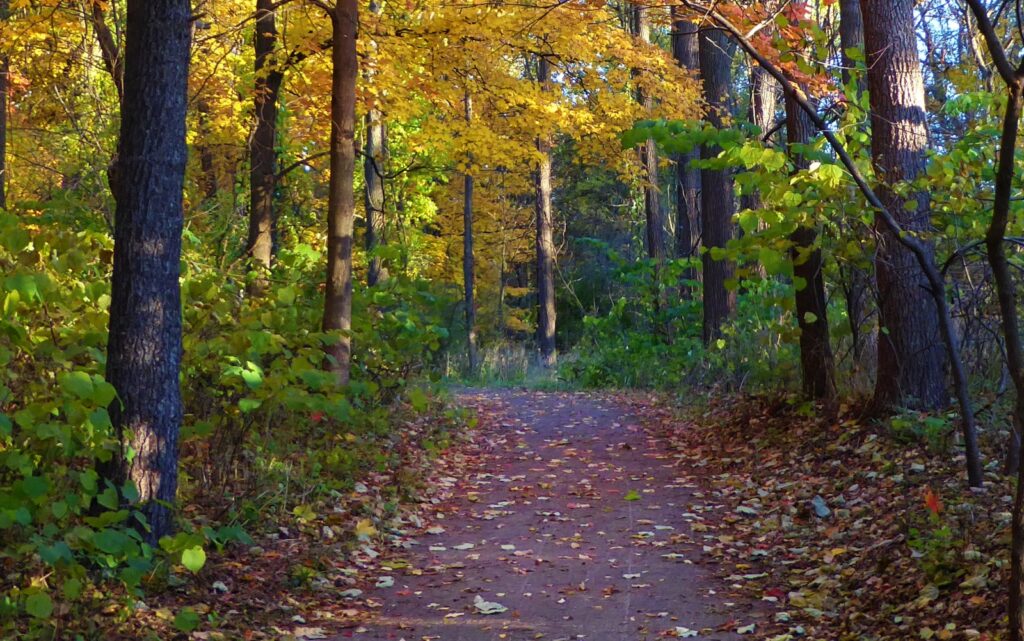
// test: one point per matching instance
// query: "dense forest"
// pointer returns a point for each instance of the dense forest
(272, 269)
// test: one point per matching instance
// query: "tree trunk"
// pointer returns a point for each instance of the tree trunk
(717, 199)
(109, 49)
(851, 37)
(685, 50)
(545, 242)
(648, 154)
(1006, 293)
(816, 361)
(144, 346)
(467, 254)
(764, 102)
(374, 160)
(263, 146)
(911, 360)
(341, 196)
(208, 170)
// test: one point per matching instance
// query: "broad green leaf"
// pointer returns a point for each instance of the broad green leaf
(186, 620)
(193, 558)
(39, 605)
(78, 383)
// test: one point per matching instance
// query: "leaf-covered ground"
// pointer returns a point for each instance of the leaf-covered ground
(848, 532)
(623, 518)
(572, 523)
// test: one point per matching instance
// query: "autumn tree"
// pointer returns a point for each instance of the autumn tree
(468, 263)
(263, 143)
(911, 362)
(648, 153)
(717, 195)
(144, 348)
(337, 318)
(686, 51)
(545, 238)
(374, 167)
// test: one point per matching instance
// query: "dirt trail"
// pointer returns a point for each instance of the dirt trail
(576, 523)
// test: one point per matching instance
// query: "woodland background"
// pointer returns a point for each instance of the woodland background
(805, 200)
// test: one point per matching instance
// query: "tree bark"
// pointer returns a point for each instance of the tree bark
(816, 361)
(717, 198)
(144, 346)
(109, 49)
(764, 102)
(648, 155)
(468, 277)
(374, 161)
(263, 146)
(341, 197)
(546, 314)
(851, 37)
(1007, 296)
(685, 50)
(911, 361)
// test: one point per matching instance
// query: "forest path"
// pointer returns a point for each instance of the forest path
(575, 520)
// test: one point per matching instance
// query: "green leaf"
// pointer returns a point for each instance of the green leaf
(35, 487)
(632, 495)
(186, 620)
(108, 498)
(72, 589)
(774, 261)
(193, 558)
(77, 383)
(25, 285)
(252, 376)
(39, 605)
(418, 399)
(59, 509)
(286, 296)
(810, 318)
(110, 541)
(249, 404)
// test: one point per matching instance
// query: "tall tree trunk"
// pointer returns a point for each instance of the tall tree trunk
(374, 161)
(263, 146)
(648, 154)
(109, 49)
(764, 102)
(816, 361)
(686, 51)
(468, 281)
(341, 195)
(1007, 296)
(851, 38)
(911, 359)
(144, 346)
(717, 198)
(208, 170)
(545, 242)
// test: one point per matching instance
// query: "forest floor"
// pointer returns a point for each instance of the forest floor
(622, 516)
